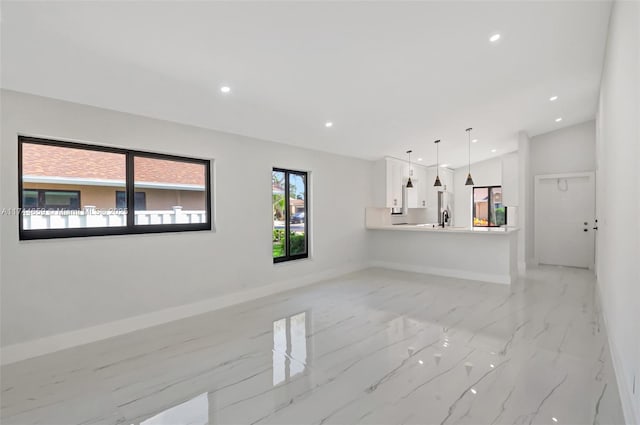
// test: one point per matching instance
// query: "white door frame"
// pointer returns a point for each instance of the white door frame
(537, 179)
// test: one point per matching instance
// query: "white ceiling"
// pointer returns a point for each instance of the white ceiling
(390, 75)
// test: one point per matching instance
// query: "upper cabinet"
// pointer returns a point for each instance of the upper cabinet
(390, 178)
(395, 181)
(421, 185)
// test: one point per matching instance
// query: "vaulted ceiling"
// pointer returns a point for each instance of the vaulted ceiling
(389, 75)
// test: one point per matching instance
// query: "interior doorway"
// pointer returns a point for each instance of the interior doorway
(565, 223)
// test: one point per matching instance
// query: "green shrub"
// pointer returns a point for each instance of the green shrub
(500, 217)
(297, 243)
(278, 235)
(278, 249)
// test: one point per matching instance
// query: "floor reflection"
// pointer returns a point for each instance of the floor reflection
(289, 347)
(192, 412)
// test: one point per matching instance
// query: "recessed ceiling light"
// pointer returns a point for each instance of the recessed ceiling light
(494, 150)
(553, 98)
(473, 390)
(554, 419)
(328, 124)
(494, 38)
(420, 361)
(419, 159)
(558, 119)
(444, 165)
(225, 89)
(474, 141)
(492, 365)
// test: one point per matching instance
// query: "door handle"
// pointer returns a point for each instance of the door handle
(595, 228)
(586, 230)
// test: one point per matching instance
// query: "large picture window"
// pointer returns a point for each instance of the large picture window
(72, 189)
(488, 210)
(290, 215)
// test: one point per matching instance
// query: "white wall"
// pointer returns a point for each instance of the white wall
(55, 286)
(567, 150)
(484, 173)
(618, 200)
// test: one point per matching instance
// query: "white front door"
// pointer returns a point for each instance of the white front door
(564, 219)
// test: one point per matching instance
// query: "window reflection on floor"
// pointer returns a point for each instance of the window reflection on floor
(192, 412)
(289, 347)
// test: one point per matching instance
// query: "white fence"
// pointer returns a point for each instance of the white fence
(93, 217)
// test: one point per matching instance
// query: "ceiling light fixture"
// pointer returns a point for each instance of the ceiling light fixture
(494, 38)
(474, 141)
(444, 165)
(437, 182)
(419, 159)
(328, 124)
(558, 119)
(225, 89)
(469, 181)
(473, 390)
(409, 183)
(494, 150)
(553, 98)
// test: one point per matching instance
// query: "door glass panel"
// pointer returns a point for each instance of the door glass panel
(480, 206)
(498, 210)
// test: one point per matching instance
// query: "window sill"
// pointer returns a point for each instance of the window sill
(292, 262)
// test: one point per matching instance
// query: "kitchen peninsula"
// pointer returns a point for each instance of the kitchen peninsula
(483, 254)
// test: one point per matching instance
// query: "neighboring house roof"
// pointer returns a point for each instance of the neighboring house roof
(66, 163)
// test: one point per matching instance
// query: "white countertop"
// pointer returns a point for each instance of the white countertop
(430, 229)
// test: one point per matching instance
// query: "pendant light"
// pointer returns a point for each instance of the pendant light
(469, 181)
(437, 182)
(409, 183)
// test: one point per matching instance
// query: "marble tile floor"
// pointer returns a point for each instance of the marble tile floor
(373, 347)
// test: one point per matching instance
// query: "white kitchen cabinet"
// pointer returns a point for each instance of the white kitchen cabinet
(421, 186)
(387, 183)
(390, 178)
(395, 178)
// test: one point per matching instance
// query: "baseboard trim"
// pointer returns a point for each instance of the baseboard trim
(38, 347)
(631, 413)
(505, 279)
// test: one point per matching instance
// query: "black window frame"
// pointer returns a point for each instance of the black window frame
(490, 202)
(287, 221)
(130, 228)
